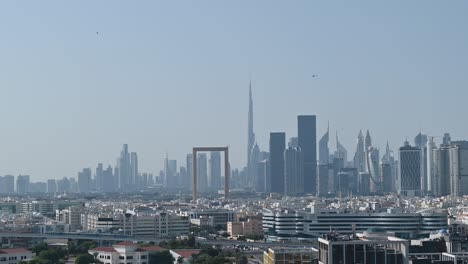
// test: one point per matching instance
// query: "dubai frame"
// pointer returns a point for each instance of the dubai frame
(195, 170)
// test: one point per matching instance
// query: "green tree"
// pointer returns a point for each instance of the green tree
(191, 242)
(161, 257)
(86, 259)
(37, 249)
(49, 256)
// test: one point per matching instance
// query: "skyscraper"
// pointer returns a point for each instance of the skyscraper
(63, 185)
(360, 155)
(458, 154)
(124, 169)
(214, 175)
(420, 141)
(84, 180)
(98, 177)
(189, 166)
(7, 184)
(251, 164)
(277, 147)
(51, 186)
(108, 180)
(255, 158)
(410, 170)
(202, 174)
(22, 184)
(307, 138)
(431, 146)
(368, 144)
(389, 159)
(293, 174)
(324, 151)
(341, 151)
(264, 176)
(374, 170)
(133, 170)
(441, 161)
(386, 173)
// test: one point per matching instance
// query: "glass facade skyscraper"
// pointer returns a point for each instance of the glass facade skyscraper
(277, 147)
(307, 137)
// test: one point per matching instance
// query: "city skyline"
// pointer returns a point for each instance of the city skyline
(149, 89)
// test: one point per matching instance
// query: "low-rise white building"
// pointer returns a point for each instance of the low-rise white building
(124, 252)
(15, 255)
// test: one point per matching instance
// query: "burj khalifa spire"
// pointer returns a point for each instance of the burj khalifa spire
(250, 132)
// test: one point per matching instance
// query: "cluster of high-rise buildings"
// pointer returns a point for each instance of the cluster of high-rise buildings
(290, 167)
(124, 177)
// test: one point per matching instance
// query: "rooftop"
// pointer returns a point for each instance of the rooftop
(14, 250)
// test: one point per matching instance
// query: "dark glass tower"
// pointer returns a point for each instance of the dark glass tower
(307, 135)
(277, 147)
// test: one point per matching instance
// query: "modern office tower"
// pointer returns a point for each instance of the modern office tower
(22, 184)
(337, 166)
(214, 173)
(322, 180)
(372, 247)
(51, 186)
(343, 184)
(84, 180)
(374, 170)
(277, 147)
(170, 173)
(458, 155)
(341, 151)
(251, 170)
(255, 158)
(364, 183)
(74, 188)
(7, 184)
(293, 174)
(441, 170)
(264, 176)
(202, 174)
(324, 151)
(386, 175)
(420, 141)
(189, 166)
(133, 169)
(99, 177)
(410, 170)
(116, 178)
(360, 154)
(431, 146)
(389, 158)
(307, 139)
(124, 169)
(367, 145)
(353, 179)
(108, 180)
(183, 178)
(446, 139)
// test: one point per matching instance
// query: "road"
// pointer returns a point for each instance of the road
(110, 237)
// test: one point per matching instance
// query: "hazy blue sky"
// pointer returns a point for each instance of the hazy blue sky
(166, 76)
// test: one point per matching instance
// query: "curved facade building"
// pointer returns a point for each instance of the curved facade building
(374, 170)
(291, 225)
